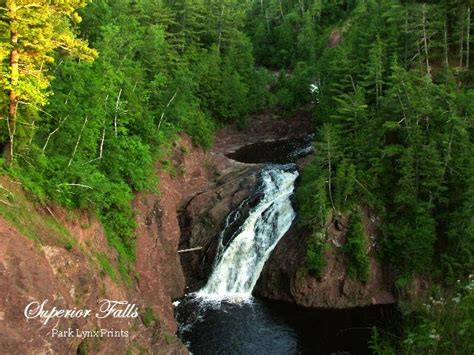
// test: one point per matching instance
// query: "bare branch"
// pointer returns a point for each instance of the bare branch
(167, 105)
(7, 203)
(77, 143)
(78, 185)
(190, 249)
(117, 105)
(53, 132)
(101, 150)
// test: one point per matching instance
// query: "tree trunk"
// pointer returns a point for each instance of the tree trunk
(301, 3)
(221, 19)
(117, 106)
(329, 147)
(446, 59)
(12, 94)
(420, 59)
(425, 42)
(468, 36)
(265, 15)
(378, 83)
(183, 29)
(406, 36)
(461, 49)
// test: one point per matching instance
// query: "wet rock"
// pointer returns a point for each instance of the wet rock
(203, 217)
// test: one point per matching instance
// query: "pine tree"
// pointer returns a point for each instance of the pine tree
(328, 155)
(189, 24)
(355, 249)
(374, 79)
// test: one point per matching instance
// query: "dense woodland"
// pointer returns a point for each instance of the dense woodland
(94, 93)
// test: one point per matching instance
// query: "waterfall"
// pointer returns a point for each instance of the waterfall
(238, 266)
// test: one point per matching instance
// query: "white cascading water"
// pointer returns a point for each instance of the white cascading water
(240, 264)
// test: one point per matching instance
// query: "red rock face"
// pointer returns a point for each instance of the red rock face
(45, 269)
(161, 278)
(202, 219)
(68, 280)
(284, 278)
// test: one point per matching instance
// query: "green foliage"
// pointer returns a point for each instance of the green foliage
(312, 198)
(106, 266)
(31, 34)
(355, 249)
(394, 127)
(344, 183)
(149, 317)
(315, 259)
(394, 131)
(409, 242)
(313, 209)
(380, 345)
(442, 325)
(292, 89)
(82, 349)
(393, 109)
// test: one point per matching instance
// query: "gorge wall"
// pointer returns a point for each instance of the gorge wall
(50, 253)
(284, 276)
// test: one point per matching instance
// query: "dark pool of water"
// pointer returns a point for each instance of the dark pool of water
(279, 152)
(265, 327)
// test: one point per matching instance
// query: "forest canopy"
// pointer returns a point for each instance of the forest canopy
(95, 92)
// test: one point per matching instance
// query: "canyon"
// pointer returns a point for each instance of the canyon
(198, 192)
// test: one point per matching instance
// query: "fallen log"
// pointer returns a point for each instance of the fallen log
(190, 249)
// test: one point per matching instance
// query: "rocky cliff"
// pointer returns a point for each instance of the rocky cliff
(203, 217)
(62, 257)
(226, 201)
(284, 276)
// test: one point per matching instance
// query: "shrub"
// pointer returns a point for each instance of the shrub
(354, 248)
(315, 260)
(149, 317)
(442, 325)
(106, 266)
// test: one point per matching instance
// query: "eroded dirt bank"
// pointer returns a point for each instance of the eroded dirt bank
(61, 256)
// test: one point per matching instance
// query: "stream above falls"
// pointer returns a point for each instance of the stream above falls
(281, 151)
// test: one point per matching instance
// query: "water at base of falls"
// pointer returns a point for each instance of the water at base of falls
(240, 264)
(263, 327)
